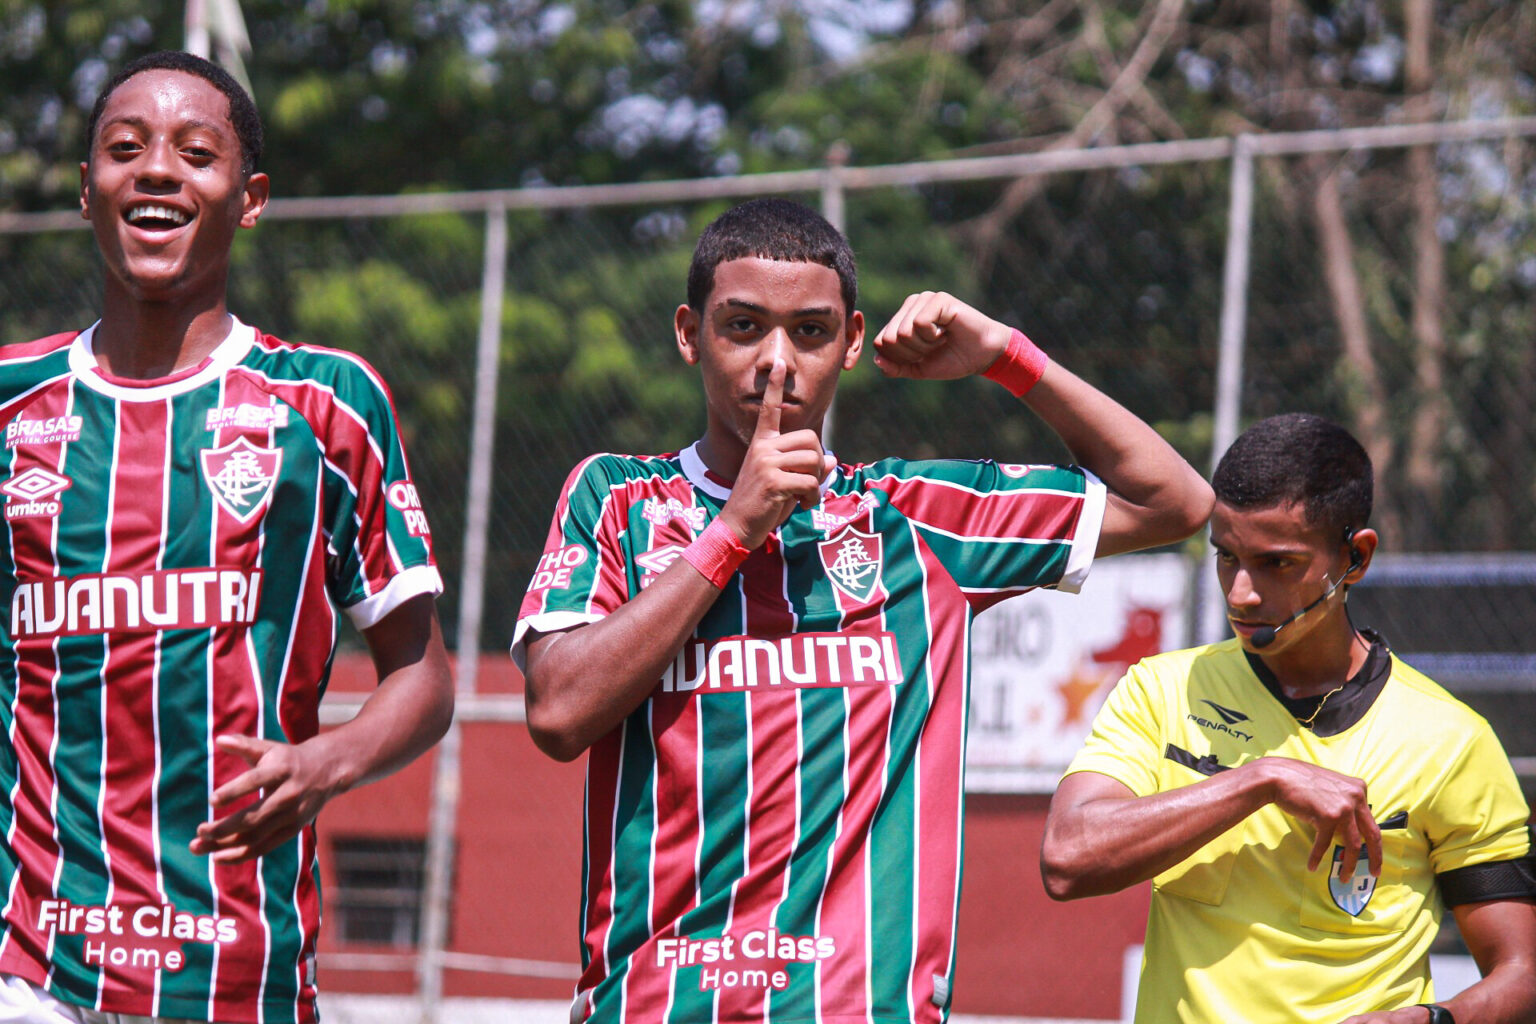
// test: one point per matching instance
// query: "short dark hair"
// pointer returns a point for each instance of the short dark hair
(1299, 457)
(242, 111)
(770, 229)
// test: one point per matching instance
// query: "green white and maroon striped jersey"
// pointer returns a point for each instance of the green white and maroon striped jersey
(775, 834)
(176, 554)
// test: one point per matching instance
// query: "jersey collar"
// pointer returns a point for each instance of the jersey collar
(82, 361)
(715, 485)
(1341, 710)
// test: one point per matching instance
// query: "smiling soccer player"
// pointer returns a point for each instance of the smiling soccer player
(190, 504)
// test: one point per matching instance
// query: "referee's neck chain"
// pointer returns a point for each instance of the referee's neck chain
(1307, 722)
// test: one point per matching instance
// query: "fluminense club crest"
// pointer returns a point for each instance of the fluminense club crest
(241, 476)
(1353, 893)
(852, 560)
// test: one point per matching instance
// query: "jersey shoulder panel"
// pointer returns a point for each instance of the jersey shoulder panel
(597, 477)
(26, 365)
(1435, 698)
(970, 473)
(350, 376)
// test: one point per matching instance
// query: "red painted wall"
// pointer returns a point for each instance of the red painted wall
(518, 875)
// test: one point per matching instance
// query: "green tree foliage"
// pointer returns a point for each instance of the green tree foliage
(1115, 273)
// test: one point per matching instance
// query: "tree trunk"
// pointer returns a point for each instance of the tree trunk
(1366, 394)
(1422, 465)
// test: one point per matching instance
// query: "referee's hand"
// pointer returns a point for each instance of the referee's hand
(1334, 804)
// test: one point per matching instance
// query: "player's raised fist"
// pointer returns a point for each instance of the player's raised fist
(935, 336)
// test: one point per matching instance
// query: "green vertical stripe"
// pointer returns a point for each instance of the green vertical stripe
(182, 792)
(823, 719)
(9, 768)
(632, 853)
(82, 544)
(894, 841)
(725, 739)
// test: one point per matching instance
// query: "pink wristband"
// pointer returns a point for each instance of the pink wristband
(1020, 367)
(717, 553)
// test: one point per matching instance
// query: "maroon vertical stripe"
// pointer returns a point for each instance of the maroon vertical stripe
(845, 908)
(940, 792)
(771, 828)
(238, 707)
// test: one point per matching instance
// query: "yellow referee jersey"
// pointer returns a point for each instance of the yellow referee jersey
(1241, 930)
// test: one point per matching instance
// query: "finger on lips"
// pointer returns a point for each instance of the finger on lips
(768, 414)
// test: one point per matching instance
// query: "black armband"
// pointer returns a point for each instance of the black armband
(1499, 880)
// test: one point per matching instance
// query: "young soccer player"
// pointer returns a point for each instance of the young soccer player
(765, 650)
(1305, 804)
(189, 506)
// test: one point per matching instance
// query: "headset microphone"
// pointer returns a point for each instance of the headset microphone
(1265, 635)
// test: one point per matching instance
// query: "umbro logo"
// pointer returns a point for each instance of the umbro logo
(655, 562)
(33, 493)
(36, 484)
(1227, 714)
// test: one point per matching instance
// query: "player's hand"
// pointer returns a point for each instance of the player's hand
(935, 336)
(1332, 803)
(290, 783)
(779, 472)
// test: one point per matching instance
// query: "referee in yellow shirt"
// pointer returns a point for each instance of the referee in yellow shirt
(1305, 804)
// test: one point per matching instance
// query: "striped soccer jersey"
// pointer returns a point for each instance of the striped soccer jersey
(775, 834)
(176, 553)
(1241, 930)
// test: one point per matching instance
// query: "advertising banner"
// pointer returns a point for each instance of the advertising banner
(1042, 664)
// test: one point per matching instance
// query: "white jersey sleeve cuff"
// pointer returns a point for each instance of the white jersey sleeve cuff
(1085, 540)
(412, 582)
(544, 622)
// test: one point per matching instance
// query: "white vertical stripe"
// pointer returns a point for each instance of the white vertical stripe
(794, 844)
(261, 731)
(154, 686)
(208, 717)
(101, 676)
(917, 773)
(303, 869)
(613, 859)
(53, 747)
(746, 809)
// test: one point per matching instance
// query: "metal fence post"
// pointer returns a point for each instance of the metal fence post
(437, 899)
(1229, 362)
(834, 209)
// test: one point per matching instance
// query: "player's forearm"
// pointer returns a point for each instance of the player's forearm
(583, 683)
(399, 722)
(413, 704)
(1158, 497)
(1104, 845)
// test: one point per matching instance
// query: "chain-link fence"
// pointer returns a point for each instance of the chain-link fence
(1201, 283)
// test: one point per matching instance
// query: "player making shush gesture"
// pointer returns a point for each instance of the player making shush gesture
(765, 650)
(190, 505)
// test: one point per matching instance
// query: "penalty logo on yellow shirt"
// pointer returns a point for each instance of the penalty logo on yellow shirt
(1353, 893)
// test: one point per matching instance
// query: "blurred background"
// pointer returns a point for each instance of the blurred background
(1214, 209)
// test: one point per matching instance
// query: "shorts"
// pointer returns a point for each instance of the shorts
(22, 1002)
